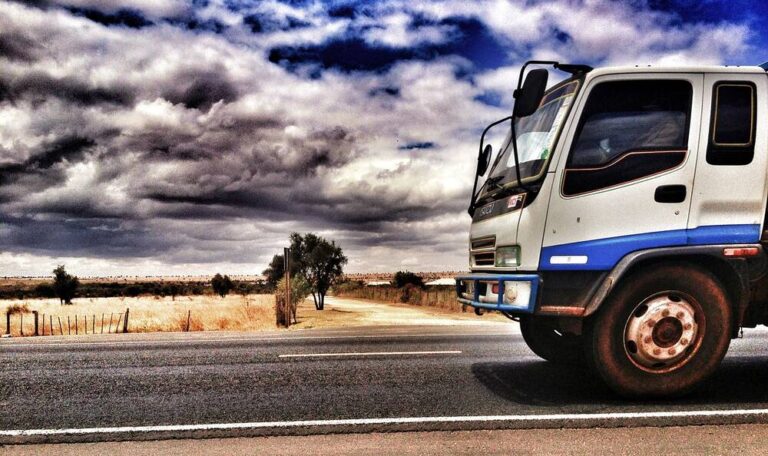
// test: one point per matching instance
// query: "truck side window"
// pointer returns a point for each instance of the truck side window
(732, 125)
(629, 130)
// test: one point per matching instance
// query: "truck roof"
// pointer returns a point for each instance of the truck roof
(677, 69)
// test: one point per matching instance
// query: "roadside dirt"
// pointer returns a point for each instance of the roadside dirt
(346, 312)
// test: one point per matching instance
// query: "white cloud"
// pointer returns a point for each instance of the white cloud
(395, 30)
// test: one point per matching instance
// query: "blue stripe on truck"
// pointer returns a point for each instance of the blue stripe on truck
(603, 254)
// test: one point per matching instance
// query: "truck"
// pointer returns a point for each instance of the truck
(622, 221)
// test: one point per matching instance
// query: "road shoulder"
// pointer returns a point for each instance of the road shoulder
(749, 439)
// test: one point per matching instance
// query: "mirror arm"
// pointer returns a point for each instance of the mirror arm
(475, 192)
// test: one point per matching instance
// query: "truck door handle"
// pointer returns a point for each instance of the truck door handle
(670, 194)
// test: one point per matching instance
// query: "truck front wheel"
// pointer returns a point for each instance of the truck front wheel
(543, 338)
(661, 333)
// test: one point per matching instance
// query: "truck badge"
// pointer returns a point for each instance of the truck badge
(515, 201)
(485, 210)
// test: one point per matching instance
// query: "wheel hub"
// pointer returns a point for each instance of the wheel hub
(660, 332)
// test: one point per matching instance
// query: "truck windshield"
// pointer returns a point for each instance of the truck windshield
(536, 136)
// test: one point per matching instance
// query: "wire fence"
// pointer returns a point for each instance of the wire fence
(36, 324)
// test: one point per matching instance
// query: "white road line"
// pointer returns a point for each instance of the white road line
(254, 339)
(399, 353)
(391, 421)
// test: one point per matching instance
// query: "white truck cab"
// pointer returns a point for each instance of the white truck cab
(622, 220)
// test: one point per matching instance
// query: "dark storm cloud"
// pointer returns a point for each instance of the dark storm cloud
(391, 91)
(71, 149)
(125, 17)
(106, 239)
(201, 89)
(34, 3)
(198, 24)
(260, 174)
(284, 179)
(38, 86)
(15, 46)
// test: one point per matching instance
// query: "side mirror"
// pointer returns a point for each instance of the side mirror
(484, 159)
(528, 98)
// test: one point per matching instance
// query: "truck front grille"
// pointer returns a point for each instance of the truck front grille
(483, 259)
(483, 251)
(483, 243)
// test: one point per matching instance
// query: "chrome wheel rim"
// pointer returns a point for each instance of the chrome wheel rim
(663, 332)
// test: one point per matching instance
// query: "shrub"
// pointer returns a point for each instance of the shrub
(222, 285)
(403, 278)
(348, 287)
(284, 312)
(408, 291)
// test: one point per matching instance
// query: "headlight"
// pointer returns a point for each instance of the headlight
(508, 257)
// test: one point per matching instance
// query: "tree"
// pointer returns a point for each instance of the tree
(275, 271)
(403, 278)
(64, 285)
(319, 262)
(222, 285)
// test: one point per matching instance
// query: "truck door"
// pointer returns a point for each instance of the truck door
(626, 175)
(728, 200)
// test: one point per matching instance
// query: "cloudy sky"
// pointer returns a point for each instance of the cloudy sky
(178, 137)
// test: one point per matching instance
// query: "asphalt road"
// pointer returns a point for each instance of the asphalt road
(137, 387)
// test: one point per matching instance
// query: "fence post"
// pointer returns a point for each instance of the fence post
(21, 326)
(36, 315)
(8, 322)
(102, 323)
(76, 331)
(288, 303)
(61, 328)
(125, 322)
(110, 322)
(69, 327)
(93, 330)
(189, 315)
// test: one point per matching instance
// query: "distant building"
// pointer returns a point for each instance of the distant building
(443, 282)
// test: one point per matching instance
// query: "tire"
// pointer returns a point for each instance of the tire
(542, 338)
(662, 333)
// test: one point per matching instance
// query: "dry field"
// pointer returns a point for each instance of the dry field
(147, 314)
(31, 281)
(152, 314)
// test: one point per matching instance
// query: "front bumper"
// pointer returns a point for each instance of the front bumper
(514, 293)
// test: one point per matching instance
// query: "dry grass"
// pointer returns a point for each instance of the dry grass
(18, 308)
(209, 313)
(147, 314)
